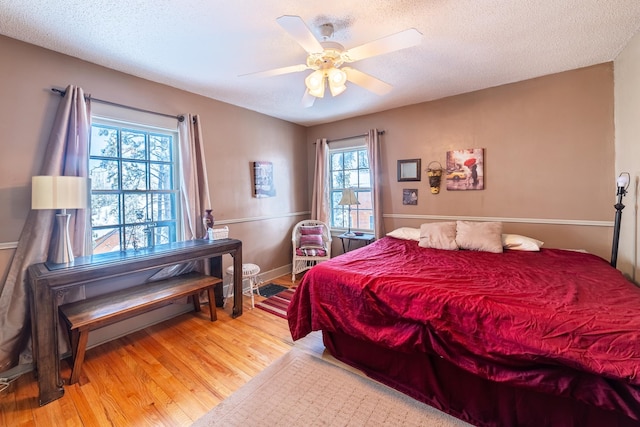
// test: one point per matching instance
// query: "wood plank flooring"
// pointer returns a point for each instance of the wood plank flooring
(169, 374)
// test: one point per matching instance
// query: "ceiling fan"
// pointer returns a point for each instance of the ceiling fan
(326, 59)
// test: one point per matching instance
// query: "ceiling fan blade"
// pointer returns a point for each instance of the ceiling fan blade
(367, 81)
(295, 26)
(278, 71)
(401, 40)
(307, 99)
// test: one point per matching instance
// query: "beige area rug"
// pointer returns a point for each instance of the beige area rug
(303, 390)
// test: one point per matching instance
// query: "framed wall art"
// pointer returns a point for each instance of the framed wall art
(410, 196)
(465, 169)
(263, 180)
(409, 170)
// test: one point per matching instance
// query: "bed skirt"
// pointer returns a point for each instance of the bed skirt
(476, 400)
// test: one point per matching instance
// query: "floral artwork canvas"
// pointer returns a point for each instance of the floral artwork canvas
(465, 169)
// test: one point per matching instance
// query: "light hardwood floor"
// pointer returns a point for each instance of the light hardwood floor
(168, 374)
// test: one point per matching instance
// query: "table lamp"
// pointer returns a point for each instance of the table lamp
(349, 198)
(59, 192)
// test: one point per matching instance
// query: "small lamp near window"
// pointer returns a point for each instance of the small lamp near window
(349, 198)
(622, 183)
(59, 192)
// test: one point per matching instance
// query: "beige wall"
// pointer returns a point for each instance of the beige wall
(549, 152)
(549, 159)
(627, 105)
(234, 138)
(549, 155)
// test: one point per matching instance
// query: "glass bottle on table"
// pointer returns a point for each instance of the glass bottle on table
(207, 222)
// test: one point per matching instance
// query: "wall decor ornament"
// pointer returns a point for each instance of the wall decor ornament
(434, 172)
(410, 196)
(263, 180)
(465, 169)
(409, 170)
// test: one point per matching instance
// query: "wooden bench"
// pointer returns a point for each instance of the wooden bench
(93, 313)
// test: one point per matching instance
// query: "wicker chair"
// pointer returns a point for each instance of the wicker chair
(311, 245)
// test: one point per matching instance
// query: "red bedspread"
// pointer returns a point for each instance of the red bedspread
(561, 322)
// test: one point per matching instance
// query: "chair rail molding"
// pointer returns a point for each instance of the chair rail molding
(550, 221)
(14, 245)
(8, 245)
(261, 218)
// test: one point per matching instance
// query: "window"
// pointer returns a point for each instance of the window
(134, 195)
(349, 168)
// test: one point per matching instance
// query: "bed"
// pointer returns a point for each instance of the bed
(507, 338)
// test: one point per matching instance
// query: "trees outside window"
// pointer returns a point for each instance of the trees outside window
(134, 195)
(349, 168)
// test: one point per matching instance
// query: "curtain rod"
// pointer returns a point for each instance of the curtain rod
(380, 132)
(180, 118)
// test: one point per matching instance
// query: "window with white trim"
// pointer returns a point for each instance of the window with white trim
(349, 168)
(134, 185)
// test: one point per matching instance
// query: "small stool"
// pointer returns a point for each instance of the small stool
(250, 274)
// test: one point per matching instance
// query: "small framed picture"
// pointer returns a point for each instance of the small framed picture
(263, 180)
(409, 170)
(410, 196)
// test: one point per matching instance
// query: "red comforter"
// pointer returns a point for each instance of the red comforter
(561, 322)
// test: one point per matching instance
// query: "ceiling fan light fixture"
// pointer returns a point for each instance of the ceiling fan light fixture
(327, 57)
(315, 83)
(337, 76)
(336, 90)
(337, 79)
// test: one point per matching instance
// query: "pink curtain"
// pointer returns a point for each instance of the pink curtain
(373, 148)
(66, 154)
(194, 186)
(320, 196)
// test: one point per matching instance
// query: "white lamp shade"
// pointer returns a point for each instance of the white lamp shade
(348, 197)
(623, 180)
(336, 78)
(336, 90)
(315, 83)
(58, 192)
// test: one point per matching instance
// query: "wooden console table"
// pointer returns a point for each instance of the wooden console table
(47, 280)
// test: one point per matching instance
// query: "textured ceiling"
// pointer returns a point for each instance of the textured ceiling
(202, 46)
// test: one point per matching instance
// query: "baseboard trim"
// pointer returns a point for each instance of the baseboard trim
(265, 276)
(134, 324)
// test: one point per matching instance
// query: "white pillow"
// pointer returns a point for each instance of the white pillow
(438, 235)
(405, 233)
(479, 236)
(516, 242)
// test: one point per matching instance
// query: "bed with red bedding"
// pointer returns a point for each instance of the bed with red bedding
(513, 338)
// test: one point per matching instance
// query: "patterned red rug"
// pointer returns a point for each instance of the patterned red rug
(278, 303)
